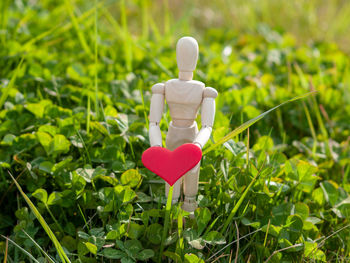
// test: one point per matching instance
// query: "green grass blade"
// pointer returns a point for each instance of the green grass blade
(312, 128)
(240, 201)
(4, 4)
(96, 61)
(113, 22)
(180, 244)
(57, 30)
(166, 222)
(249, 123)
(306, 85)
(60, 251)
(39, 247)
(7, 89)
(83, 216)
(79, 32)
(84, 144)
(155, 30)
(267, 232)
(127, 38)
(145, 14)
(54, 219)
(346, 175)
(6, 251)
(31, 42)
(143, 105)
(88, 109)
(22, 249)
(104, 118)
(211, 225)
(166, 17)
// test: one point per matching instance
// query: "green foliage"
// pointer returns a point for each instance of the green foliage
(74, 101)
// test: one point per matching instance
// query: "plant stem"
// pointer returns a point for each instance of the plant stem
(88, 115)
(240, 201)
(179, 233)
(166, 222)
(61, 253)
(54, 219)
(95, 62)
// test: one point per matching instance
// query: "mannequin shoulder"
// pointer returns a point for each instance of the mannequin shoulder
(158, 88)
(210, 92)
(184, 83)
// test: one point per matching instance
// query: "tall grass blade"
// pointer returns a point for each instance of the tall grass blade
(155, 30)
(6, 90)
(127, 39)
(346, 175)
(104, 118)
(21, 249)
(312, 128)
(59, 29)
(316, 110)
(83, 216)
(88, 109)
(113, 22)
(54, 219)
(249, 123)
(3, 19)
(180, 244)
(84, 145)
(143, 105)
(145, 15)
(230, 244)
(6, 250)
(64, 258)
(166, 222)
(95, 62)
(166, 17)
(280, 123)
(306, 85)
(75, 23)
(320, 121)
(240, 201)
(39, 247)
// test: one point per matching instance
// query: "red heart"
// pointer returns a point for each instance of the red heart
(171, 165)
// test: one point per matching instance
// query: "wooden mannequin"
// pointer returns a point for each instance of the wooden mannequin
(184, 96)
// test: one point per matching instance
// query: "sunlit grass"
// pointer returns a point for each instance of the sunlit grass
(102, 57)
(63, 256)
(247, 124)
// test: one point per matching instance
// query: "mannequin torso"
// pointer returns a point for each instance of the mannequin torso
(184, 99)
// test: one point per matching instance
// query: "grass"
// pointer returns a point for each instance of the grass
(247, 124)
(6, 90)
(166, 222)
(39, 247)
(64, 258)
(75, 91)
(79, 32)
(233, 212)
(21, 249)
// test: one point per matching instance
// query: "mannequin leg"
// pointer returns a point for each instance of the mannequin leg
(176, 191)
(191, 189)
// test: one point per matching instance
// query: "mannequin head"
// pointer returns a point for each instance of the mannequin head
(186, 56)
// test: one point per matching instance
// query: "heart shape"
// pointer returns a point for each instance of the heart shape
(171, 165)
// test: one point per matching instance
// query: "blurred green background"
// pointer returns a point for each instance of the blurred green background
(306, 20)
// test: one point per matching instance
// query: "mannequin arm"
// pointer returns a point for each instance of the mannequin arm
(208, 114)
(156, 112)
